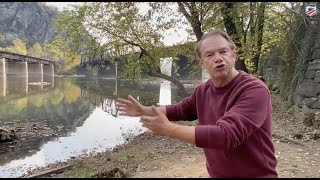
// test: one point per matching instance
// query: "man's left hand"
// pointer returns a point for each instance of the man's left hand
(158, 124)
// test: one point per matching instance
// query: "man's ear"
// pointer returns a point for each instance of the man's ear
(235, 54)
(200, 63)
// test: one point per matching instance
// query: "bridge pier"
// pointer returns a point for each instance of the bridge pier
(52, 76)
(3, 67)
(3, 86)
(16, 68)
(41, 72)
(13, 64)
(27, 76)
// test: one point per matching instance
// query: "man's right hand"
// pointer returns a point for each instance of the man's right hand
(130, 107)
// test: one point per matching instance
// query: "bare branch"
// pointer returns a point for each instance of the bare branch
(298, 14)
(188, 5)
(184, 12)
(205, 11)
(282, 17)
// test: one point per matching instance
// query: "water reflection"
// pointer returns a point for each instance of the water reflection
(99, 132)
(82, 111)
(24, 85)
(109, 106)
(165, 93)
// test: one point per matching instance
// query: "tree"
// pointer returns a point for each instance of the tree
(247, 22)
(259, 27)
(78, 39)
(228, 11)
(196, 14)
(123, 27)
(60, 52)
(19, 46)
(35, 50)
(203, 16)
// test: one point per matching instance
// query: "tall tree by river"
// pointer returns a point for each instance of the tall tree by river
(124, 29)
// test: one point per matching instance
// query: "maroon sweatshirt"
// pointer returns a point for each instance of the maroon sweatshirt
(234, 126)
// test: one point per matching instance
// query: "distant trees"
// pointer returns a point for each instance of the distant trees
(18, 47)
(56, 51)
(35, 50)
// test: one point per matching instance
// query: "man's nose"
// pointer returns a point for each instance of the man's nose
(218, 58)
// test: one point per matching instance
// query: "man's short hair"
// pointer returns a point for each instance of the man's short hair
(212, 33)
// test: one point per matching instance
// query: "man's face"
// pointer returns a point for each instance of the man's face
(217, 57)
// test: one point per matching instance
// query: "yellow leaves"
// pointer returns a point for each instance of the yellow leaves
(70, 60)
(72, 93)
(37, 101)
(20, 46)
(35, 50)
(21, 103)
(56, 98)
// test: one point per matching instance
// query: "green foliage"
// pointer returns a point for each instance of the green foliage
(82, 171)
(70, 25)
(131, 68)
(35, 50)
(118, 29)
(59, 51)
(93, 70)
(18, 47)
(246, 15)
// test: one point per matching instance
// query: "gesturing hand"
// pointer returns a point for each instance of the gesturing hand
(158, 123)
(130, 107)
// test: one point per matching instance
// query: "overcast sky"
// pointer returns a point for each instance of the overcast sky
(60, 5)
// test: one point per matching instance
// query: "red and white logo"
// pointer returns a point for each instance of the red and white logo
(311, 9)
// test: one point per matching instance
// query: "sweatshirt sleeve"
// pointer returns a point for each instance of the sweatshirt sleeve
(183, 111)
(239, 122)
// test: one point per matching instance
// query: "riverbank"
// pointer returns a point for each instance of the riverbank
(147, 155)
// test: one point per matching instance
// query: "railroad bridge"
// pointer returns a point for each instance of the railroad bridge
(32, 69)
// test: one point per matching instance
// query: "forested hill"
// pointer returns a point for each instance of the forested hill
(30, 21)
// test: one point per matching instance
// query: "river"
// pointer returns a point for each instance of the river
(81, 109)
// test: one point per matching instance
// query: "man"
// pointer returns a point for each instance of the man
(233, 110)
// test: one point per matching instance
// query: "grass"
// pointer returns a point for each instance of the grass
(82, 171)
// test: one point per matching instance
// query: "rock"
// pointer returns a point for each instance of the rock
(309, 74)
(317, 76)
(298, 136)
(315, 64)
(316, 136)
(309, 101)
(30, 21)
(308, 88)
(316, 53)
(7, 135)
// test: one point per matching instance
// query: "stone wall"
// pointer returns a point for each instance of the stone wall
(307, 97)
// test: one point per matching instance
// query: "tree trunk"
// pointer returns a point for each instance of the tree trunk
(197, 31)
(230, 26)
(240, 65)
(180, 86)
(193, 18)
(260, 24)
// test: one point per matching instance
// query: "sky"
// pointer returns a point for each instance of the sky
(171, 37)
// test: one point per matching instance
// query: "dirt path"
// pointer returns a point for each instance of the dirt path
(156, 156)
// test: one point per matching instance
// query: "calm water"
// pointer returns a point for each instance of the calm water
(82, 111)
